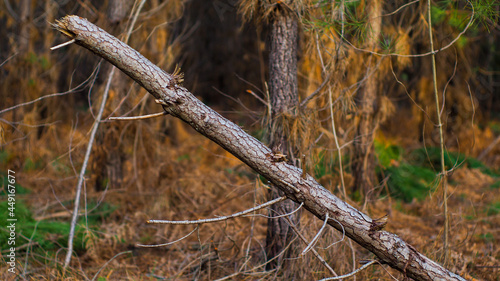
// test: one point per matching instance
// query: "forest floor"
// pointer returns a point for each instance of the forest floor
(197, 179)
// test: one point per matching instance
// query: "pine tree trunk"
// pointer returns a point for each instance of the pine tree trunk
(107, 164)
(363, 162)
(283, 91)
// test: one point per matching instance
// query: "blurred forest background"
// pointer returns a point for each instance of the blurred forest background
(162, 169)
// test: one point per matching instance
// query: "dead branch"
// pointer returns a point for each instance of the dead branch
(142, 117)
(351, 273)
(315, 253)
(168, 243)
(316, 237)
(235, 215)
(180, 103)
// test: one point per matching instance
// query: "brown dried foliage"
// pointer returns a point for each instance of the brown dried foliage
(170, 172)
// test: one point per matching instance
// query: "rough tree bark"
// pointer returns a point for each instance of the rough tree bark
(179, 102)
(363, 162)
(283, 91)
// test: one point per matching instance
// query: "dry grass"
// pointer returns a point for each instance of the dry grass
(197, 179)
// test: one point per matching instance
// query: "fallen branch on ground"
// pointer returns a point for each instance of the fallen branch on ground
(180, 103)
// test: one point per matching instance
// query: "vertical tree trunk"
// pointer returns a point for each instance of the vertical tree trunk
(284, 99)
(107, 156)
(363, 163)
(24, 30)
(118, 10)
(22, 42)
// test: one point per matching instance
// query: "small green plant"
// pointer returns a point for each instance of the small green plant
(485, 12)
(414, 175)
(470, 217)
(494, 126)
(430, 158)
(49, 234)
(61, 167)
(4, 182)
(322, 167)
(409, 181)
(44, 234)
(495, 185)
(183, 157)
(493, 209)
(487, 237)
(438, 14)
(31, 165)
(387, 154)
(4, 156)
(387, 42)
(325, 165)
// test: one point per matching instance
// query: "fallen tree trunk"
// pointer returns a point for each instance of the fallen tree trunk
(179, 102)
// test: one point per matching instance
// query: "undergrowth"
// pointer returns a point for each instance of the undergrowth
(412, 175)
(46, 234)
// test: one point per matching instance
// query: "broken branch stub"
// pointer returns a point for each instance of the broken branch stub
(179, 102)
